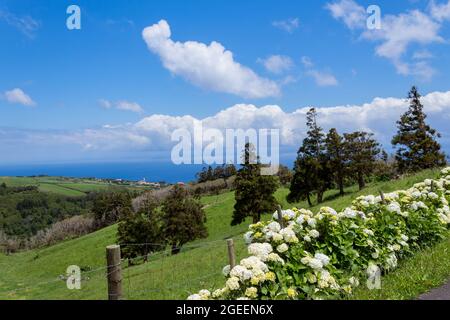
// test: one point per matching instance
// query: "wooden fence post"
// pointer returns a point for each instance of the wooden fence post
(113, 263)
(280, 217)
(383, 199)
(231, 253)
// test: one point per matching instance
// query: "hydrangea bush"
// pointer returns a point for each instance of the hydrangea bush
(327, 254)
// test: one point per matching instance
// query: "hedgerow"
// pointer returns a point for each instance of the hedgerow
(327, 254)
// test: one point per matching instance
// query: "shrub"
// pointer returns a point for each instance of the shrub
(327, 254)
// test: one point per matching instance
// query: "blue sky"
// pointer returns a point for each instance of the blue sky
(60, 87)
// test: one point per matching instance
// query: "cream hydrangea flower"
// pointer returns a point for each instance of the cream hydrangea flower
(314, 233)
(233, 283)
(251, 292)
(260, 250)
(282, 248)
(292, 293)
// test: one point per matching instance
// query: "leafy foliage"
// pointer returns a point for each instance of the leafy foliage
(183, 218)
(141, 233)
(24, 210)
(327, 254)
(110, 207)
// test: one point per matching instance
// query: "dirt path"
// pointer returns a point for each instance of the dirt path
(440, 293)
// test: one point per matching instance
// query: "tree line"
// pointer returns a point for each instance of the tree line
(333, 160)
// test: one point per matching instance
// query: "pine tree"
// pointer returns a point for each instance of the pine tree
(184, 218)
(311, 168)
(415, 140)
(254, 192)
(362, 151)
(336, 154)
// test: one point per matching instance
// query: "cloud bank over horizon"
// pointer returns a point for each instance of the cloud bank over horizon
(150, 138)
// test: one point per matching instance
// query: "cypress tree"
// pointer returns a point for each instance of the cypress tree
(336, 154)
(416, 143)
(312, 172)
(254, 192)
(362, 152)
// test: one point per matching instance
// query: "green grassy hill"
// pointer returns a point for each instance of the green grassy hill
(35, 274)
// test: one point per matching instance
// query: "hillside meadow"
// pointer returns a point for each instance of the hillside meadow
(39, 274)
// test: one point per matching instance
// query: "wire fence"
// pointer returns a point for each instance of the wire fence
(157, 275)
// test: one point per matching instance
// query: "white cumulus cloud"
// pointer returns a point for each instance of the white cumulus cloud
(18, 96)
(440, 11)
(397, 34)
(323, 79)
(207, 66)
(351, 13)
(288, 25)
(121, 105)
(277, 64)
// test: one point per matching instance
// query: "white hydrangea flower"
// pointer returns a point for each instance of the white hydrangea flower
(232, 283)
(194, 297)
(274, 226)
(273, 257)
(368, 232)
(312, 222)
(354, 282)
(314, 233)
(328, 210)
(322, 258)
(349, 213)
(433, 196)
(248, 237)
(394, 207)
(282, 248)
(260, 250)
(416, 194)
(314, 263)
(277, 237)
(218, 293)
(254, 263)
(251, 292)
(391, 261)
(289, 235)
(372, 270)
(307, 238)
(226, 270)
(242, 273)
(300, 219)
(204, 294)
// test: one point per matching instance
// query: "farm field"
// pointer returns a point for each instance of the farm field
(65, 186)
(36, 274)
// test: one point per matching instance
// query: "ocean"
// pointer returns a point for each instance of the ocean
(152, 172)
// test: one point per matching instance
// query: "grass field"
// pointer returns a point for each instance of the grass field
(35, 274)
(64, 186)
